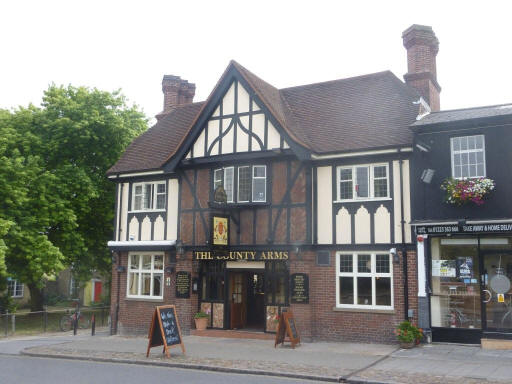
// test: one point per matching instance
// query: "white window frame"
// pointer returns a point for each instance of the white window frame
(153, 198)
(15, 288)
(453, 152)
(140, 271)
(355, 274)
(259, 178)
(223, 181)
(371, 187)
(238, 184)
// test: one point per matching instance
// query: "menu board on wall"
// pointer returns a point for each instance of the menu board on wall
(299, 288)
(183, 285)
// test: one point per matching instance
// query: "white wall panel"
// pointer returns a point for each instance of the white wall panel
(123, 236)
(133, 231)
(343, 227)
(324, 205)
(397, 195)
(382, 225)
(243, 99)
(274, 139)
(407, 200)
(145, 232)
(158, 228)
(172, 210)
(362, 226)
(228, 102)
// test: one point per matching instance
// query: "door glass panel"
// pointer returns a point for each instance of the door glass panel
(497, 294)
(455, 300)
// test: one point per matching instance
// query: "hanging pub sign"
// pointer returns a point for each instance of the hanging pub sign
(299, 288)
(165, 330)
(183, 285)
(241, 255)
(286, 327)
(466, 228)
(220, 231)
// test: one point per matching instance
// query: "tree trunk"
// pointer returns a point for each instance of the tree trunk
(36, 298)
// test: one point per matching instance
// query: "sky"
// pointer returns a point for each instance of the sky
(130, 45)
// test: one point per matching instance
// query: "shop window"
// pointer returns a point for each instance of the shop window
(15, 288)
(363, 182)
(276, 282)
(468, 156)
(364, 280)
(250, 182)
(145, 275)
(212, 282)
(455, 283)
(148, 196)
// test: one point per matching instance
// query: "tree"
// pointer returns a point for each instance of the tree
(53, 161)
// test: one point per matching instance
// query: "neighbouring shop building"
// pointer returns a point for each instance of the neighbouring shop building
(464, 251)
(261, 198)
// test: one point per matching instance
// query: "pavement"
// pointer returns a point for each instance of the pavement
(322, 361)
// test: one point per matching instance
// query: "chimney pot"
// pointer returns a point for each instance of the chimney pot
(177, 91)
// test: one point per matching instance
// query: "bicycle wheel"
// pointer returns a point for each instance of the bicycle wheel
(66, 323)
(83, 322)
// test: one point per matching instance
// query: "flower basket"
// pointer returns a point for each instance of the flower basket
(460, 192)
(407, 345)
(408, 335)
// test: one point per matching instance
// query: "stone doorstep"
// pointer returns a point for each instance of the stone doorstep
(233, 334)
(496, 344)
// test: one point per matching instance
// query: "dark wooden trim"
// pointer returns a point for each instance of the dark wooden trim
(117, 210)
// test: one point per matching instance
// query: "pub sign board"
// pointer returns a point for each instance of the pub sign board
(299, 288)
(463, 229)
(165, 330)
(241, 255)
(220, 231)
(183, 285)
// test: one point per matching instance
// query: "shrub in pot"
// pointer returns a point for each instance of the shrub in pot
(201, 320)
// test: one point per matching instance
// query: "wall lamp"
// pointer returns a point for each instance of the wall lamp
(394, 255)
(297, 249)
(180, 250)
(423, 147)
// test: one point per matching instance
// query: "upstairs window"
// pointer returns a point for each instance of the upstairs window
(248, 183)
(468, 156)
(15, 288)
(363, 182)
(148, 196)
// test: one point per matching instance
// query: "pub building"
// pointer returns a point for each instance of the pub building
(262, 199)
(464, 249)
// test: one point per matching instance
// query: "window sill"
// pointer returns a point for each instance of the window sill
(152, 299)
(363, 200)
(366, 310)
(148, 211)
(213, 204)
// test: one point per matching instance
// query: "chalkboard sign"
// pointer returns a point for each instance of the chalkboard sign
(183, 285)
(285, 327)
(299, 288)
(165, 329)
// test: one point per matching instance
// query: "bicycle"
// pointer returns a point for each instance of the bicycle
(66, 322)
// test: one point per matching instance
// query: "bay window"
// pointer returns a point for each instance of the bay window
(248, 183)
(145, 275)
(364, 280)
(363, 182)
(148, 196)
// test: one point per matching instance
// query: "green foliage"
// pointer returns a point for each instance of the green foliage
(407, 332)
(55, 195)
(201, 315)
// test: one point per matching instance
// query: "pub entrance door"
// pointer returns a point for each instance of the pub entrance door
(246, 300)
(497, 293)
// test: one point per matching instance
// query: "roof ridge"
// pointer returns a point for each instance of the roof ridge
(338, 80)
(472, 108)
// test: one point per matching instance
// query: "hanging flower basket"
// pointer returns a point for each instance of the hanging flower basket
(460, 192)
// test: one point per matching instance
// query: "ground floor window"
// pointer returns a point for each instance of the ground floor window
(145, 275)
(364, 280)
(15, 288)
(212, 284)
(276, 282)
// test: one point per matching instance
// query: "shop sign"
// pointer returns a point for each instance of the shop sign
(299, 288)
(453, 228)
(241, 255)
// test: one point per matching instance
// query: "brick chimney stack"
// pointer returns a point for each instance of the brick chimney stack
(176, 92)
(422, 47)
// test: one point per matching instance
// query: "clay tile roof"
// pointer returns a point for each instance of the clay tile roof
(358, 113)
(150, 150)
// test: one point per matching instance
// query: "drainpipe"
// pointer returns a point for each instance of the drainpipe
(404, 252)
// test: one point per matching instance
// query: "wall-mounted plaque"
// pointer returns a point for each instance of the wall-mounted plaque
(299, 288)
(182, 285)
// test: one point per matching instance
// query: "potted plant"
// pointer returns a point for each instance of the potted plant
(460, 192)
(201, 320)
(408, 334)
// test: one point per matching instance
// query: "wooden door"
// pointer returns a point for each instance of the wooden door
(237, 297)
(97, 291)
